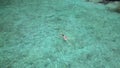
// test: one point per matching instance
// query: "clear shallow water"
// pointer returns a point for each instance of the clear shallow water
(30, 35)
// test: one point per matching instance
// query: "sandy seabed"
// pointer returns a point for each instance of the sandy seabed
(30, 34)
